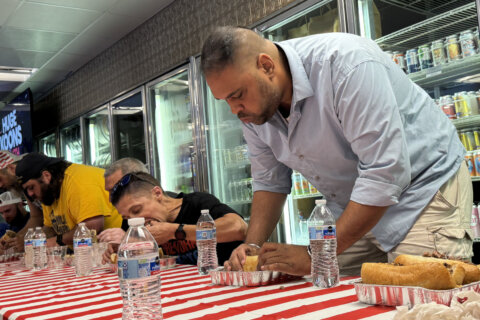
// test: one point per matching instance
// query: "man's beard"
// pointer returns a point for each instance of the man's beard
(269, 103)
(49, 194)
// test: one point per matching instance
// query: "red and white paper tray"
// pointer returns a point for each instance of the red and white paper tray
(248, 278)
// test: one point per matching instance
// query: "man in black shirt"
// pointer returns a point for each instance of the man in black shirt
(172, 221)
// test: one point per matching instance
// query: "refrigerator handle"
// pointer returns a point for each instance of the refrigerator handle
(193, 168)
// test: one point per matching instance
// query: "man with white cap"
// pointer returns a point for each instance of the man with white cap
(14, 213)
(8, 180)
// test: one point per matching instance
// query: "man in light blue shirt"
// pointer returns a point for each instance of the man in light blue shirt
(336, 108)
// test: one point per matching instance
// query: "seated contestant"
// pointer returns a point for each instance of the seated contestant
(8, 181)
(172, 221)
(69, 193)
(120, 168)
(15, 215)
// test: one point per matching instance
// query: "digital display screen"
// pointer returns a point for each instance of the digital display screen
(16, 125)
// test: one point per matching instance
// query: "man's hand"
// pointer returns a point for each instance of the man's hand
(112, 235)
(10, 243)
(238, 256)
(287, 258)
(112, 248)
(52, 242)
(162, 231)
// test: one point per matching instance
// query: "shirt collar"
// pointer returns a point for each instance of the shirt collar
(302, 88)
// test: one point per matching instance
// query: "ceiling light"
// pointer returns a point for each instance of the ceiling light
(15, 74)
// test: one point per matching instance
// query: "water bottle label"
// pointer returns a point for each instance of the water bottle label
(29, 243)
(141, 268)
(80, 243)
(39, 242)
(322, 232)
(206, 234)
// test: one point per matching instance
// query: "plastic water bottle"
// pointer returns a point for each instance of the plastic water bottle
(82, 249)
(39, 249)
(206, 243)
(28, 244)
(139, 273)
(323, 244)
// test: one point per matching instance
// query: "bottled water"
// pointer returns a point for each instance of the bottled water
(323, 243)
(139, 273)
(39, 249)
(206, 243)
(82, 249)
(28, 244)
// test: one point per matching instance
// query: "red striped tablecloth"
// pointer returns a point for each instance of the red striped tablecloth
(57, 294)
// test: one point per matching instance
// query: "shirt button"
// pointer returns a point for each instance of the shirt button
(300, 157)
(317, 178)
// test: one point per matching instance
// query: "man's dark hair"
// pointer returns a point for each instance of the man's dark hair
(133, 183)
(219, 49)
(57, 170)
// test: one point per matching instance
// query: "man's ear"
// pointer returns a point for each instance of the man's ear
(11, 168)
(46, 176)
(157, 193)
(265, 63)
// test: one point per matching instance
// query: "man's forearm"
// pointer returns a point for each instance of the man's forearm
(266, 211)
(356, 220)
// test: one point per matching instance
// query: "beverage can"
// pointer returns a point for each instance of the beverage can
(425, 57)
(438, 53)
(470, 140)
(460, 104)
(448, 106)
(472, 102)
(412, 61)
(476, 159)
(467, 43)
(470, 158)
(463, 139)
(475, 37)
(399, 58)
(476, 136)
(453, 48)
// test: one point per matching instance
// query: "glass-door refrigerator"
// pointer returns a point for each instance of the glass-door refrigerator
(308, 18)
(436, 43)
(71, 142)
(171, 131)
(128, 119)
(97, 138)
(47, 144)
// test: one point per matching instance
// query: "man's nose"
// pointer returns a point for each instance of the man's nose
(236, 107)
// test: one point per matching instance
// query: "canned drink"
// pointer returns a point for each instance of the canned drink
(448, 106)
(453, 48)
(412, 61)
(297, 183)
(463, 139)
(471, 140)
(472, 102)
(475, 37)
(425, 57)
(305, 185)
(399, 58)
(438, 53)
(467, 43)
(313, 190)
(470, 158)
(476, 159)
(476, 136)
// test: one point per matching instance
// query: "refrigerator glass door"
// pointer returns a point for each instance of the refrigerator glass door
(71, 143)
(129, 136)
(172, 132)
(47, 145)
(98, 151)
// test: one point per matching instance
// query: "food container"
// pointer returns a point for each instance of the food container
(407, 296)
(168, 262)
(248, 279)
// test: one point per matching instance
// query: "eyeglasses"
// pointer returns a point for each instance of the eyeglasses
(121, 185)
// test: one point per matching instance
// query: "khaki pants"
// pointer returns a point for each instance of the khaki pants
(444, 225)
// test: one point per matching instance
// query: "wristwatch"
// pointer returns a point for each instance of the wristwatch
(180, 233)
(60, 240)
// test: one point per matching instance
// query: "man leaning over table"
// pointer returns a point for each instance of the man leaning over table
(172, 220)
(70, 193)
(8, 181)
(337, 109)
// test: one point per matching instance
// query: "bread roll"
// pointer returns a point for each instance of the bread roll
(250, 263)
(472, 272)
(432, 275)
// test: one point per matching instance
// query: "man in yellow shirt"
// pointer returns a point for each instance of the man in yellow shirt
(69, 193)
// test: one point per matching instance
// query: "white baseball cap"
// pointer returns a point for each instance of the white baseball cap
(9, 197)
(6, 157)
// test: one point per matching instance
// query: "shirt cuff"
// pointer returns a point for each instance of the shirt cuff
(375, 193)
(258, 186)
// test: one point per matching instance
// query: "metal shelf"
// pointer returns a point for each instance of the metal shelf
(475, 178)
(434, 28)
(310, 195)
(464, 70)
(468, 122)
(427, 8)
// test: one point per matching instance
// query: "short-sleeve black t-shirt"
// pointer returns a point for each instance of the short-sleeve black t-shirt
(189, 213)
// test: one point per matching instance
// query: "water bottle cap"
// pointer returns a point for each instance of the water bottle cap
(135, 222)
(38, 228)
(320, 201)
(205, 211)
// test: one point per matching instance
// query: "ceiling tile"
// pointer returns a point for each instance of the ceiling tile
(66, 61)
(46, 75)
(8, 6)
(52, 18)
(139, 8)
(97, 5)
(108, 26)
(9, 58)
(33, 59)
(89, 45)
(34, 39)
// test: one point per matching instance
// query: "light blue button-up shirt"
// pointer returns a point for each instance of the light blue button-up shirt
(358, 130)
